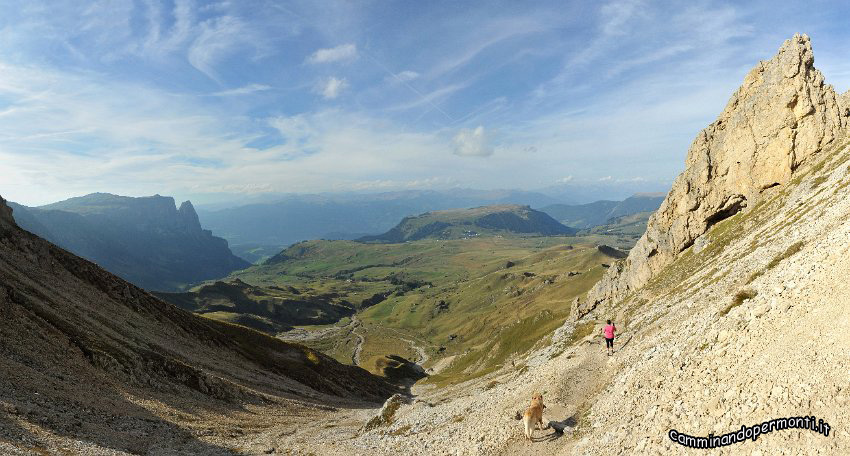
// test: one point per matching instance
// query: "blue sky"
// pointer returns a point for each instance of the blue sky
(197, 99)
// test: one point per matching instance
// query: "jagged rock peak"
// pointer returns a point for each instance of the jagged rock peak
(189, 216)
(782, 114)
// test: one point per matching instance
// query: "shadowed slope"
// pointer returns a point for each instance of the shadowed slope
(88, 356)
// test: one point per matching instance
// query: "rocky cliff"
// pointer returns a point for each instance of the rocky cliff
(782, 115)
(148, 241)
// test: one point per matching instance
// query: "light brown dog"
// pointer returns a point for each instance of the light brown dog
(533, 416)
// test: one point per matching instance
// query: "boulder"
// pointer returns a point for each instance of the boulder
(385, 416)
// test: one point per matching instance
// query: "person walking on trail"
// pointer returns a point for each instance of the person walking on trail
(608, 331)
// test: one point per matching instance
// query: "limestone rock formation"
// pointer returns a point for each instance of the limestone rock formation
(782, 115)
(844, 104)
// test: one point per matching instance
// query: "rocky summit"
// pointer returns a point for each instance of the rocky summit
(776, 123)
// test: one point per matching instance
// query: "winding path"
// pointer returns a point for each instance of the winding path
(355, 357)
(421, 356)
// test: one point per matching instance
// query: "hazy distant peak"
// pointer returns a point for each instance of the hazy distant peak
(649, 195)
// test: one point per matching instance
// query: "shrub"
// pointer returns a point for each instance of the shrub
(791, 250)
(738, 299)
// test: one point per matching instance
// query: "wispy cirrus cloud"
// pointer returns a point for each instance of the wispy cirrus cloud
(217, 39)
(244, 90)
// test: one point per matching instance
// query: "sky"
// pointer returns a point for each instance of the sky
(203, 99)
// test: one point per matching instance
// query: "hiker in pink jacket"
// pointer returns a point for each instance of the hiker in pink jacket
(608, 332)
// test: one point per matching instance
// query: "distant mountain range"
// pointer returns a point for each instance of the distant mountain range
(465, 223)
(305, 217)
(294, 218)
(601, 212)
(147, 241)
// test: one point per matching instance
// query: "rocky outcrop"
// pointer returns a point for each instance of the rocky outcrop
(387, 412)
(844, 104)
(6, 220)
(782, 115)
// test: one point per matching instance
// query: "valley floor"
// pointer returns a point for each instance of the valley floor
(477, 417)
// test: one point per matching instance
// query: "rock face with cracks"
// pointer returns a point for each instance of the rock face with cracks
(782, 115)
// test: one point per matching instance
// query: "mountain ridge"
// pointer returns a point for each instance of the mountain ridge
(298, 218)
(455, 223)
(147, 240)
(601, 212)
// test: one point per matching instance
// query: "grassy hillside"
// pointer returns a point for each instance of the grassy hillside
(464, 306)
(270, 309)
(467, 223)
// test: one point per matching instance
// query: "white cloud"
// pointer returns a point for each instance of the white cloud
(407, 75)
(565, 180)
(332, 87)
(334, 54)
(483, 37)
(472, 143)
(244, 90)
